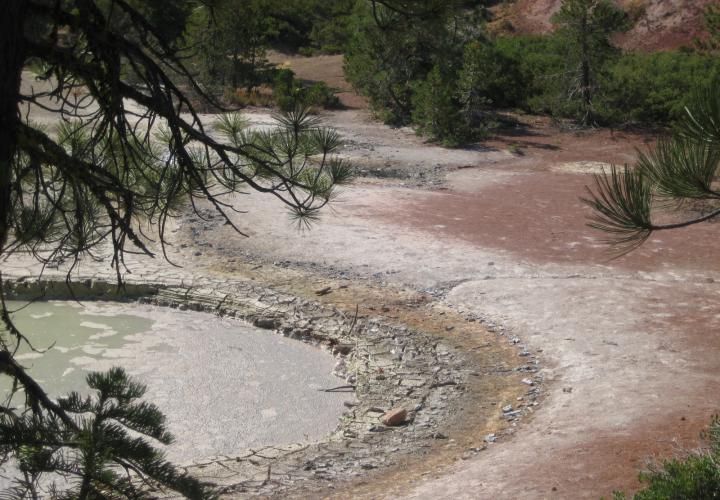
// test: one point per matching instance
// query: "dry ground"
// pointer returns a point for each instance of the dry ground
(629, 344)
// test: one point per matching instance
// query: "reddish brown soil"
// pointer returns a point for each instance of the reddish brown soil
(540, 215)
(635, 339)
(546, 144)
(535, 215)
(666, 24)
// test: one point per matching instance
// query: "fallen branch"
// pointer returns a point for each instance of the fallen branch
(338, 388)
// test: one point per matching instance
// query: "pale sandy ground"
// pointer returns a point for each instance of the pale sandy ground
(630, 346)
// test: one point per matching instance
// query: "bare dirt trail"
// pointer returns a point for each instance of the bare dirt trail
(629, 345)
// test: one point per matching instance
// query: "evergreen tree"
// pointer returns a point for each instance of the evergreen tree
(93, 455)
(396, 44)
(125, 156)
(436, 110)
(233, 38)
(168, 19)
(586, 27)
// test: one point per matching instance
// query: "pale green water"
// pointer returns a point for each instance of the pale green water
(71, 337)
(223, 384)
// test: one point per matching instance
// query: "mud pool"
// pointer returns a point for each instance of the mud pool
(225, 386)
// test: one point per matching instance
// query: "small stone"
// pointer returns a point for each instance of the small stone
(340, 368)
(343, 349)
(266, 323)
(528, 381)
(507, 409)
(490, 438)
(393, 417)
(438, 435)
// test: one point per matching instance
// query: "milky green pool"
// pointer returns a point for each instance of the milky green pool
(224, 385)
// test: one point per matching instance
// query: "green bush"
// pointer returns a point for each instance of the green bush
(454, 107)
(695, 477)
(448, 79)
(635, 87)
(436, 111)
(309, 26)
(290, 93)
(490, 76)
(538, 63)
(286, 90)
(321, 96)
(387, 63)
(653, 89)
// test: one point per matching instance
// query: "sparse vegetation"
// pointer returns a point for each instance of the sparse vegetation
(230, 40)
(711, 44)
(290, 93)
(695, 476)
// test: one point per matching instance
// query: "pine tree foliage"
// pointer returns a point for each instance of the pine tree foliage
(131, 151)
(102, 452)
(678, 173)
(232, 38)
(711, 43)
(586, 27)
(107, 164)
(395, 45)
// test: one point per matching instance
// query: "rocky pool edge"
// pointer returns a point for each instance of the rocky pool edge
(385, 366)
